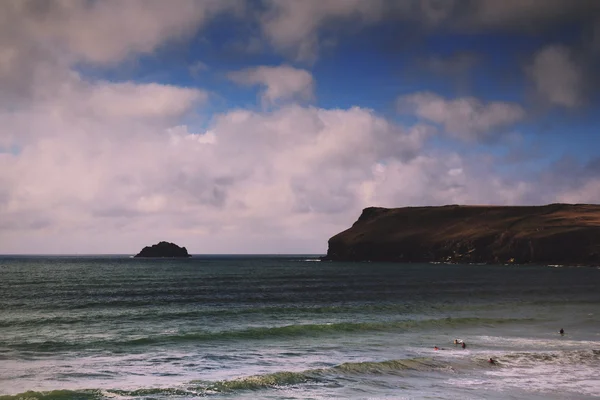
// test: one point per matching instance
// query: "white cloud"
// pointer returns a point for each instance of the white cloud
(443, 177)
(558, 78)
(41, 40)
(251, 179)
(280, 83)
(87, 107)
(292, 27)
(135, 100)
(283, 180)
(110, 30)
(587, 192)
(467, 118)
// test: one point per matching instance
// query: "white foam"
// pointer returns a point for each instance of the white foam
(521, 343)
(570, 372)
(558, 372)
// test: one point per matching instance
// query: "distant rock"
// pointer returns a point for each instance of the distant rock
(552, 234)
(163, 250)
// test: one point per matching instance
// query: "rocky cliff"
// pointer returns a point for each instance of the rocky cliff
(553, 234)
(163, 249)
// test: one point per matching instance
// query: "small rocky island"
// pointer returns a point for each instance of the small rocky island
(550, 234)
(163, 250)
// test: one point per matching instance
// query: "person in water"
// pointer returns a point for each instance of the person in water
(436, 348)
(562, 331)
(492, 361)
(463, 345)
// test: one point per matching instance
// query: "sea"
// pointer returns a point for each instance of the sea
(294, 327)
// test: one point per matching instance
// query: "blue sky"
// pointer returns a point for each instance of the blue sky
(371, 68)
(267, 125)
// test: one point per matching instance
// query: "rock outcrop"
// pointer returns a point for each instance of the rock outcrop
(552, 234)
(163, 250)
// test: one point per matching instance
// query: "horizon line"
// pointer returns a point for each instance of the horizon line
(132, 254)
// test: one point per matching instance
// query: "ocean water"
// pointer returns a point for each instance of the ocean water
(295, 328)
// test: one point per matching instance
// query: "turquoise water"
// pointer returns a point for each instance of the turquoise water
(294, 328)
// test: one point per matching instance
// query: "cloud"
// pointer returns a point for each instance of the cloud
(528, 16)
(91, 166)
(438, 178)
(587, 192)
(92, 106)
(557, 77)
(129, 100)
(298, 29)
(570, 179)
(293, 27)
(252, 177)
(40, 41)
(280, 83)
(107, 31)
(466, 118)
(286, 179)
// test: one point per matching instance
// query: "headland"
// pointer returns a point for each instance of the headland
(553, 234)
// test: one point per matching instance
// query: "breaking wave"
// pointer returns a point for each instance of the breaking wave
(320, 376)
(248, 383)
(264, 333)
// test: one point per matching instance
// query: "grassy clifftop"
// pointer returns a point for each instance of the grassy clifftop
(555, 234)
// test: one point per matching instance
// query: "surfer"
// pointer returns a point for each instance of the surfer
(436, 348)
(562, 332)
(492, 361)
(463, 345)
(458, 341)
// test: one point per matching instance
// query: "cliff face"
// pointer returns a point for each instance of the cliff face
(553, 234)
(163, 249)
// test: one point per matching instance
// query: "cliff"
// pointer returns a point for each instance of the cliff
(552, 234)
(163, 249)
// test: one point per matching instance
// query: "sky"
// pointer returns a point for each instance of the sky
(266, 126)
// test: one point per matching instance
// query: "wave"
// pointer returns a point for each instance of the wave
(422, 364)
(162, 315)
(91, 394)
(321, 375)
(100, 394)
(380, 367)
(248, 383)
(263, 333)
(312, 376)
(577, 357)
(257, 382)
(169, 314)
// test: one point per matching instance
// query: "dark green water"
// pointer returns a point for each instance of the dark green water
(290, 327)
